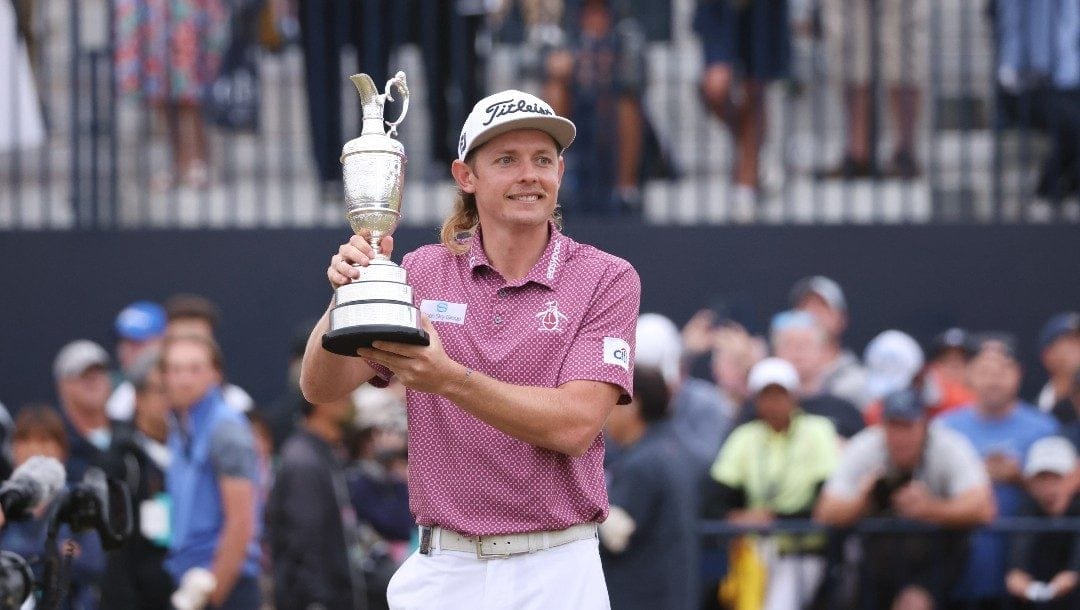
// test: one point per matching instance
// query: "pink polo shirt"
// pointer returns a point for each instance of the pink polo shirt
(572, 317)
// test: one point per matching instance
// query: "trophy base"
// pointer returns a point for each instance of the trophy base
(345, 341)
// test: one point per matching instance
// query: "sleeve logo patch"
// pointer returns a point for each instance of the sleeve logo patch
(617, 352)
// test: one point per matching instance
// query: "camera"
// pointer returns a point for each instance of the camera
(98, 503)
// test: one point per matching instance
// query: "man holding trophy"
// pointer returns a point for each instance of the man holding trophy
(521, 347)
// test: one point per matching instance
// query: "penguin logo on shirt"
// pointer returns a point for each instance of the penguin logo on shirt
(551, 319)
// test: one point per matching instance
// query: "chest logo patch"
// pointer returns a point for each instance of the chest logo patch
(443, 311)
(551, 319)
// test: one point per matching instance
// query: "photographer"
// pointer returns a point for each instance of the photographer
(909, 469)
(39, 430)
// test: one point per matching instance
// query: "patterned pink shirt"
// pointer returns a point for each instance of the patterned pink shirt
(571, 318)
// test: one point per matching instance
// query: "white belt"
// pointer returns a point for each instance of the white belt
(505, 545)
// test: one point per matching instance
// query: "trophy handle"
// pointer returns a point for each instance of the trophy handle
(398, 82)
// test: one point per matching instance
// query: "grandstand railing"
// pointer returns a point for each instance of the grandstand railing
(96, 167)
(846, 583)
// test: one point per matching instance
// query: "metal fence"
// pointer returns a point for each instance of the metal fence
(102, 159)
(850, 583)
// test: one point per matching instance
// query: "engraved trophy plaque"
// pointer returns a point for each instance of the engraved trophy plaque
(378, 306)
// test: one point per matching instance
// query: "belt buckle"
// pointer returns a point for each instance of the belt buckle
(480, 554)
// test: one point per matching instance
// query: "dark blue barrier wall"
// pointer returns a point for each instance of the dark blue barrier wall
(57, 286)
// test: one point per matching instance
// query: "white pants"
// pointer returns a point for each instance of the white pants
(567, 576)
(793, 580)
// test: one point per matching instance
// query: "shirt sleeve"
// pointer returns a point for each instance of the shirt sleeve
(729, 467)
(827, 450)
(966, 469)
(603, 347)
(232, 451)
(860, 456)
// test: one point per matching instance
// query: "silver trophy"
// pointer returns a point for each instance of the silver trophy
(378, 306)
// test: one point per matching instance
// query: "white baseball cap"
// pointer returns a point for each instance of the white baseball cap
(773, 371)
(509, 110)
(76, 357)
(1050, 454)
(658, 344)
(892, 360)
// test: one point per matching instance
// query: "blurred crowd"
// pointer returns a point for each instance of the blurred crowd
(290, 504)
(196, 62)
(795, 427)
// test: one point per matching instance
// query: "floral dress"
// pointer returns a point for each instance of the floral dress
(169, 50)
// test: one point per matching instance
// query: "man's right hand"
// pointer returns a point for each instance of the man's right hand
(357, 251)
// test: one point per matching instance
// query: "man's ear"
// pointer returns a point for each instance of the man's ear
(463, 175)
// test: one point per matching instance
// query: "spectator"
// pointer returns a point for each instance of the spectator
(1039, 81)
(894, 361)
(908, 468)
(1046, 566)
(649, 540)
(773, 468)
(1002, 428)
(747, 45)
(7, 430)
(798, 337)
(1067, 411)
(194, 314)
(283, 414)
(40, 431)
(901, 30)
(314, 540)
(82, 384)
(378, 489)
(140, 328)
(945, 379)
(598, 83)
(734, 353)
(211, 479)
(1059, 346)
(169, 52)
(842, 374)
(699, 417)
(135, 577)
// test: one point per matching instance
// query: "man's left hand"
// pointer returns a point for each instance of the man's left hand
(419, 367)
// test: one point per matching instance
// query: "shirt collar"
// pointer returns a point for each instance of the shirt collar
(546, 269)
(198, 413)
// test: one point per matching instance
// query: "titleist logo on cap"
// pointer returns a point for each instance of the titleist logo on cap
(511, 106)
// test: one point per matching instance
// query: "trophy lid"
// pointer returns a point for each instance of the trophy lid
(374, 136)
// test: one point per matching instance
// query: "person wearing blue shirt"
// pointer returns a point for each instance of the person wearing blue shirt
(1002, 428)
(212, 476)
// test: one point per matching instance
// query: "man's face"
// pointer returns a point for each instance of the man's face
(1063, 355)
(995, 379)
(128, 350)
(832, 320)
(952, 363)
(904, 442)
(1050, 490)
(774, 406)
(804, 348)
(86, 392)
(515, 177)
(188, 373)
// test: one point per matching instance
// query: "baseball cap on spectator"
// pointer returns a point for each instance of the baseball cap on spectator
(77, 357)
(994, 340)
(951, 338)
(1054, 454)
(509, 110)
(772, 371)
(140, 321)
(658, 344)
(892, 360)
(824, 287)
(1064, 323)
(903, 405)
